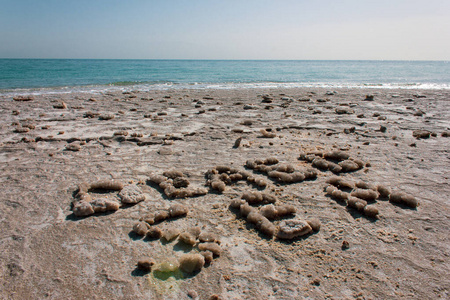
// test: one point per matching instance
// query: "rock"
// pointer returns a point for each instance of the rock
(368, 195)
(345, 245)
(245, 209)
(290, 229)
(187, 238)
(120, 133)
(349, 166)
(256, 197)
(371, 211)
(105, 117)
(192, 294)
(320, 163)
(350, 130)
(356, 203)
(208, 255)
(369, 98)
(154, 232)
(90, 114)
(141, 228)
(180, 182)
(314, 223)
(107, 184)
(212, 247)
(178, 210)
(73, 147)
(403, 198)
(173, 174)
(341, 183)
(207, 237)
(272, 212)
(343, 111)
(171, 234)
(82, 209)
(383, 191)
(336, 155)
(237, 143)
(191, 263)
(421, 134)
(23, 98)
(145, 265)
(267, 134)
(131, 194)
(364, 185)
(60, 105)
(218, 185)
(336, 194)
(104, 205)
(20, 129)
(165, 151)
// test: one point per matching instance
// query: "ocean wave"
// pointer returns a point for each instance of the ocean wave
(145, 86)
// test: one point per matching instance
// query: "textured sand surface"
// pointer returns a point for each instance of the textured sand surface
(48, 253)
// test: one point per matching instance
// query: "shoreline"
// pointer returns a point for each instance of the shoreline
(54, 142)
(168, 86)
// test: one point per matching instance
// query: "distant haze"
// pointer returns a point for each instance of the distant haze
(231, 29)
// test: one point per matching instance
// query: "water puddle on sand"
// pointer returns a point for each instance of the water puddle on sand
(166, 278)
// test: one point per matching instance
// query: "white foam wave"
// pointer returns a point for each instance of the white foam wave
(219, 86)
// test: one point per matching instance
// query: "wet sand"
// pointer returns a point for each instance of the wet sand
(52, 143)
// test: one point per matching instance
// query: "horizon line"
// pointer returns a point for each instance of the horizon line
(225, 59)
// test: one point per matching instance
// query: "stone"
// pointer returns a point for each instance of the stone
(290, 229)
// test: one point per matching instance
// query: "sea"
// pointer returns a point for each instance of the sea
(41, 76)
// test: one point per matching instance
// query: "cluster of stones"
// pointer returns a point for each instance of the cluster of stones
(335, 161)
(84, 205)
(206, 244)
(264, 217)
(221, 176)
(176, 185)
(281, 172)
(362, 193)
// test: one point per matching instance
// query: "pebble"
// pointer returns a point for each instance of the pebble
(370, 211)
(314, 223)
(191, 263)
(73, 147)
(403, 198)
(145, 265)
(421, 134)
(171, 234)
(141, 228)
(212, 247)
(154, 232)
(290, 229)
(345, 245)
(131, 194)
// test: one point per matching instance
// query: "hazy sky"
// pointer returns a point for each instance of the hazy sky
(226, 29)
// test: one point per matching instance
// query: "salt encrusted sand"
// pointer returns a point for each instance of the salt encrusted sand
(393, 153)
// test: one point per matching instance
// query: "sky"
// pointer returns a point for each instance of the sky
(226, 29)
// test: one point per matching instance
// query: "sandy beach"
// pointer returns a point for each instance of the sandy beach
(53, 143)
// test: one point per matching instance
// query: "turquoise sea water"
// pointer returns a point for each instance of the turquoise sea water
(65, 75)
